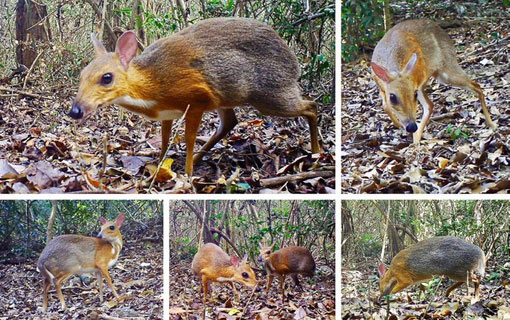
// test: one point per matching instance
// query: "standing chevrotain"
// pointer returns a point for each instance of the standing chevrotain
(212, 264)
(67, 255)
(215, 64)
(286, 261)
(404, 60)
(437, 256)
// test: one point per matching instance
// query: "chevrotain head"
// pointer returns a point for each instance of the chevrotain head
(400, 93)
(110, 230)
(105, 78)
(243, 273)
(265, 252)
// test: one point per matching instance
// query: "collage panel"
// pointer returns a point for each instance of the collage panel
(425, 97)
(428, 259)
(81, 259)
(252, 259)
(144, 97)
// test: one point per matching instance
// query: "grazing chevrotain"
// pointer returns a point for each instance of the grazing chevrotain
(71, 254)
(449, 256)
(212, 264)
(404, 60)
(215, 64)
(290, 260)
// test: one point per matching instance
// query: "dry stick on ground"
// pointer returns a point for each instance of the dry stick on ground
(25, 93)
(105, 155)
(249, 300)
(271, 182)
(31, 68)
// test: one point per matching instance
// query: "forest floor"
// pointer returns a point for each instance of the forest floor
(316, 301)
(137, 276)
(360, 291)
(458, 153)
(42, 150)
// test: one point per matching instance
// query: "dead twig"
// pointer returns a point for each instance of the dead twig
(271, 182)
(24, 93)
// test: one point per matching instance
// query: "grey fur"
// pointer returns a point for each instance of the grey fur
(446, 255)
(244, 60)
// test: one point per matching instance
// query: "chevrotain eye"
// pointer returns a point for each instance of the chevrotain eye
(112, 227)
(245, 275)
(106, 79)
(268, 252)
(393, 98)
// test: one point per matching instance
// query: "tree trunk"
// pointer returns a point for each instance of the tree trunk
(51, 221)
(30, 30)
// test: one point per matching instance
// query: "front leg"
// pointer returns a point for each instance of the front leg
(269, 281)
(428, 109)
(193, 120)
(166, 130)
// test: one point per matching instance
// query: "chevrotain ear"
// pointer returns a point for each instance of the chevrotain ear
(410, 64)
(126, 47)
(235, 261)
(103, 220)
(381, 269)
(120, 219)
(381, 72)
(98, 46)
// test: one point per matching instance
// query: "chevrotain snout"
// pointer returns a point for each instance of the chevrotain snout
(76, 112)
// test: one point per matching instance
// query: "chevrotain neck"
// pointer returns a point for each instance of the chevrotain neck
(140, 84)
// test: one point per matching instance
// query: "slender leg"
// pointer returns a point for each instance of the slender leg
(476, 88)
(236, 297)
(106, 275)
(205, 285)
(46, 286)
(193, 120)
(282, 286)
(311, 116)
(477, 288)
(166, 130)
(100, 283)
(269, 281)
(58, 288)
(458, 78)
(428, 109)
(228, 121)
(294, 277)
(453, 287)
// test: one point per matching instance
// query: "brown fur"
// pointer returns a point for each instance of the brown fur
(67, 255)
(290, 260)
(449, 256)
(212, 65)
(436, 57)
(211, 264)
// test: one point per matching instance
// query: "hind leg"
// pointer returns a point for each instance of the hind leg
(288, 103)
(453, 287)
(458, 78)
(46, 286)
(228, 121)
(310, 113)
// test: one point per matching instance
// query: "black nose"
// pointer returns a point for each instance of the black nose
(411, 127)
(76, 112)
